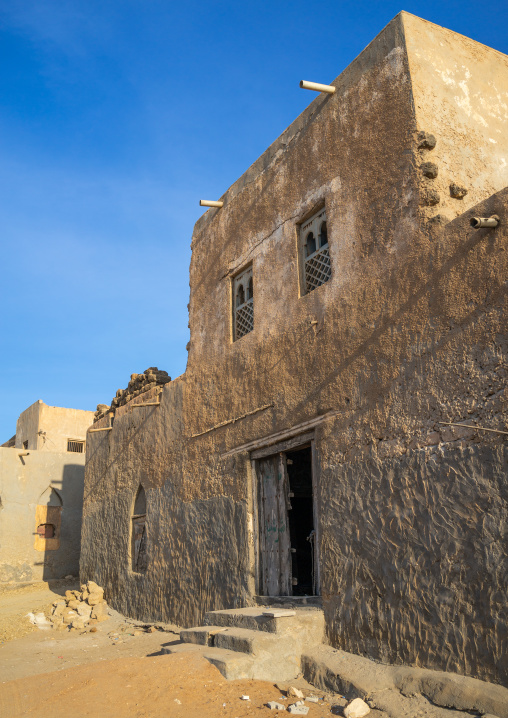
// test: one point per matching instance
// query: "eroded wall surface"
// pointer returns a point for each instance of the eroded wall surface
(410, 331)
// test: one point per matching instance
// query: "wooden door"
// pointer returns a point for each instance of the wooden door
(274, 540)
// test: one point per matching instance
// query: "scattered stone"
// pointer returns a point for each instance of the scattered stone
(356, 709)
(429, 198)
(69, 577)
(430, 170)
(84, 609)
(177, 701)
(74, 604)
(69, 616)
(100, 612)
(294, 692)
(426, 141)
(274, 706)
(93, 629)
(457, 191)
(151, 629)
(312, 699)
(137, 633)
(297, 709)
(244, 698)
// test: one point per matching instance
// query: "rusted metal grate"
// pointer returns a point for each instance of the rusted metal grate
(318, 269)
(78, 447)
(244, 319)
(46, 530)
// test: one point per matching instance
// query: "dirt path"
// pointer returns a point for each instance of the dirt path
(17, 601)
(177, 686)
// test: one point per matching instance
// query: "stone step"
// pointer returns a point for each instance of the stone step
(307, 623)
(201, 635)
(230, 664)
(254, 643)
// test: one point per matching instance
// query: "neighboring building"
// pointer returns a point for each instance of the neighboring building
(41, 494)
(342, 311)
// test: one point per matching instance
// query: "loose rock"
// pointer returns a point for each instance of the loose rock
(274, 706)
(356, 709)
(294, 692)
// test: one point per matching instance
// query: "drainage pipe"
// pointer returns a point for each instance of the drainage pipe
(317, 87)
(210, 203)
(481, 222)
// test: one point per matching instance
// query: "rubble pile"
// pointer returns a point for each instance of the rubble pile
(80, 609)
(138, 384)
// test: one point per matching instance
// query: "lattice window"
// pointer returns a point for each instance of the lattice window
(76, 446)
(243, 303)
(315, 254)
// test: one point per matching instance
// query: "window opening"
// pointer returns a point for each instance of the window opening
(25, 444)
(243, 304)
(139, 540)
(76, 446)
(315, 252)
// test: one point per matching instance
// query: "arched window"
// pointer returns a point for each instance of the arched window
(48, 520)
(243, 308)
(310, 244)
(323, 235)
(50, 497)
(316, 268)
(139, 540)
(240, 296)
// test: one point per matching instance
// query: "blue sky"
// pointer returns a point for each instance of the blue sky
(115, 118)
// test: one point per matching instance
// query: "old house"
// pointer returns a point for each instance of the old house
(42, 471)
(339, 435)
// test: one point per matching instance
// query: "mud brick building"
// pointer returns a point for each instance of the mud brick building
(342, 310)
(42, 473)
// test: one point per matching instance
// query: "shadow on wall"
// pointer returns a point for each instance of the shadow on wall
(57, 530)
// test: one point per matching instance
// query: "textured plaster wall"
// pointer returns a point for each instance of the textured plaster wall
(23, 480)
(57, 424)
(409, 331)
(27, 426)
(460, 92)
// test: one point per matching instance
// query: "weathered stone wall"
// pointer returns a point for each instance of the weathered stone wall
(409, 331)
(23, 481)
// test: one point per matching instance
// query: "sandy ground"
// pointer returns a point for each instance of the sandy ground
(117, 671)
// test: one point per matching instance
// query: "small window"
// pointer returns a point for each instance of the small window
(139, 552)
(78, 447)
(243, 304)
(314, 253)
(25, 444)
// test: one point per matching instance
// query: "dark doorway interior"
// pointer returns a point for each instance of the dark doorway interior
(301, 521)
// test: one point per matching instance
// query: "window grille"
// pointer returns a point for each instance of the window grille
(243, 304)
(77, 447)
(315, 254)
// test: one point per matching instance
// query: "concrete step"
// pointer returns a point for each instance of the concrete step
(230, 664)
(201, 635)
(308, 623)
(266, 666)
(255, 643)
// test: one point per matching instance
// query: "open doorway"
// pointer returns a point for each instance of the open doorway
(286, 519)
(301, 521)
